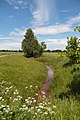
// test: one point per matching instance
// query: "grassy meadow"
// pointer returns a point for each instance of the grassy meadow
(22, 72)
(20, 81)
(7, 53)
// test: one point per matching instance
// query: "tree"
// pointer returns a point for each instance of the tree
(73, 53)
(30, 45)
(42, 47)
(77, 28)
(73, 50)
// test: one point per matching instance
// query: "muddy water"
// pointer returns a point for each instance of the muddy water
(45, 89)
(50, 74)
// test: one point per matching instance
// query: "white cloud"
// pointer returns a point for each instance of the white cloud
(5, 38)
(74, 20)
(64, 11)
(15, 44)
(18, 4)
(16, 7)
(20, 1)
(41, 14)
(51, 30)
(10, 42)
(9, 1)
(12, 1)
(10, 46)
(18, 32)
(56, 43)
(48, 30)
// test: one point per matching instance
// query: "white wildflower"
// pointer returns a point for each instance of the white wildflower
(14, 93)
(43, 96)
(36, 86)
(34, 101)
(26, 100)
(20, 109)
(2, 106)
(41, 103)
(10, 87)
(15, 99)
(52, 112)
(36, 94)
(49, 109)
(45, 113)
(6, 111)
(28, 110)
(33, 98)
(49, 103)
(16, 90)
(32, 108)
(39, 110)
(0, 98)
(7, 90)
(29, 98)
(36, 107)
(35, 113)
(40, 106)
(26, 87)
(24, 105)
(34, 116)
(54, 106)
(43, 92)
(30, 86)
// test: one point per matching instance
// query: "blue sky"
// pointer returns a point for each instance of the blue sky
(51, 20)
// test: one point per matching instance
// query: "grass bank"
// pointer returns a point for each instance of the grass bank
(22, 72)
(68, 104)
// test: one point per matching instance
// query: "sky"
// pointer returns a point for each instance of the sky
(52, 21)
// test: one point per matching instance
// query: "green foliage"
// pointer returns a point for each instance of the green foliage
(77, 28)
(30, 45)
(73, 50)
(73, 53)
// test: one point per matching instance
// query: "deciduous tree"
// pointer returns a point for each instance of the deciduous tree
(30, 45)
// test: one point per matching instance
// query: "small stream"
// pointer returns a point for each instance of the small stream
(46, 84)
(50, 74)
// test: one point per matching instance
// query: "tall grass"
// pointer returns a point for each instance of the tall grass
(68, 105)
(22, 72)
(7, 53)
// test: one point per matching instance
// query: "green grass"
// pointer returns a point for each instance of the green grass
(7, 53)
(68, 105)
(62, 76)
(16, 101)
(22, 72)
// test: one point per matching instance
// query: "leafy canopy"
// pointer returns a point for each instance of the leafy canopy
(30, 45)
(73, 53)
(73, 50)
